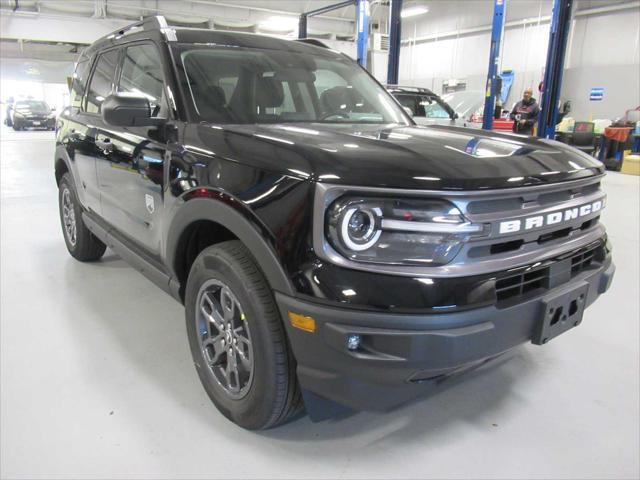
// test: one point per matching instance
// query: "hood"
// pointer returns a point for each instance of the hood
(416, 157)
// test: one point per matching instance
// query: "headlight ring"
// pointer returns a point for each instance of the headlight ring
(360, 227)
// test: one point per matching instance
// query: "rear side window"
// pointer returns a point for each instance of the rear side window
(79, 83)
(142, 73)
(101, 80)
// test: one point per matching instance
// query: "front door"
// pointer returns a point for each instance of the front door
(131, 160)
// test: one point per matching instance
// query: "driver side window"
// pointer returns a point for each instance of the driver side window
(142, 73)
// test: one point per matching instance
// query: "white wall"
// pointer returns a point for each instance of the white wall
(609, 58)
(603, 48)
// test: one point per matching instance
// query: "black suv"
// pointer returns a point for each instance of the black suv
(327, 250)
(31, 114)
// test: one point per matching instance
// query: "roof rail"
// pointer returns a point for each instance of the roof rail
(312, 41)
(153, 22)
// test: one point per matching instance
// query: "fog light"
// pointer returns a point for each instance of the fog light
(353, 342)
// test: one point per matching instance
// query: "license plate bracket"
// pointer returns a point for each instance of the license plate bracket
(562, 311)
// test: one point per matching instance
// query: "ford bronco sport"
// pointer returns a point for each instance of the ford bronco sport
(327, 250)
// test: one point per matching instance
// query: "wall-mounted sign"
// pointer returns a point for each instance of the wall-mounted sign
(596, 94)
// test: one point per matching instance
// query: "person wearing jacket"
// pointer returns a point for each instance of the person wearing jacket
(525, 113)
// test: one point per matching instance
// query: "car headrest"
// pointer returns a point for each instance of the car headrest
(336, 99)
(269, 92)
(216, 95)
(210, 100)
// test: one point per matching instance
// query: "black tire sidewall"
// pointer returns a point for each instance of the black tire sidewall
(256, 407)
(88, 248)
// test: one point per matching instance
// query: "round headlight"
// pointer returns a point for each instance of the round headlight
(401, 231)
(360, 228)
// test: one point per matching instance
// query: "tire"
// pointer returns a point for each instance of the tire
(85, 246)
(271, 394)
(15, 127)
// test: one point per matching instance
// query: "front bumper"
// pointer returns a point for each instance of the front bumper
(34, 123)
(402, 355)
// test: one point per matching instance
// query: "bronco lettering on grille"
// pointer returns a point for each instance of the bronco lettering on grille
(538, 221)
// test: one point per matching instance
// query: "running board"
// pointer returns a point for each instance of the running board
(137, 260)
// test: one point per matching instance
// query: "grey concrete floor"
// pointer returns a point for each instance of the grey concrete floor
(97, 380)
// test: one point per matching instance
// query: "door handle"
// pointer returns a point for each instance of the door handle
(105, 145)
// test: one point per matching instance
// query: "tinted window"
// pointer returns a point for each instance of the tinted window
(269, 86)
(142, 73)
(101, 80)
(410, 102)
(79, 83)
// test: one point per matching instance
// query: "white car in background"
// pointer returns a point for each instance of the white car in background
(468, 105)
(463, 109)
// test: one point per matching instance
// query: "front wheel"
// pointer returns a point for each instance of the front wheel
(237, 339)
(81, 243)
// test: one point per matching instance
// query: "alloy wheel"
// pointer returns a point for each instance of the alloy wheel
(68, 216)
(224, 338)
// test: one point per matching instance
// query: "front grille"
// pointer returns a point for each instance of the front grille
(544, 200)
(516, 287)
(582, 261)
(522, 284)
(529, 232)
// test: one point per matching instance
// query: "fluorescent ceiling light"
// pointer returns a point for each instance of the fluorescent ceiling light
(413, 11)
(280, 24)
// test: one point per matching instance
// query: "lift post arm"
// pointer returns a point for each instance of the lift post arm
(497, 30)
(395, 35)
(302, 22)
(552, 84)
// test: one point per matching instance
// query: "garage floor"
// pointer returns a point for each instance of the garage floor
(97, 381)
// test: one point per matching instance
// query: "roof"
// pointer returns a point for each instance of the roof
(156, 28)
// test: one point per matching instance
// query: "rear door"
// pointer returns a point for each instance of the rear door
(85, 121)
(131, 163)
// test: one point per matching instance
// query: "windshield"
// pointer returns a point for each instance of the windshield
(32, 105)
(273, 86)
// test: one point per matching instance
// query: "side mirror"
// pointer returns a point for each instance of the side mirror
(409, 111)
(128, 110)
(53, 109)
(456, 116)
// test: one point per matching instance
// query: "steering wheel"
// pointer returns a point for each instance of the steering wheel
(334, 114)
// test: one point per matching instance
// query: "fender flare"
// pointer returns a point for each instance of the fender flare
(62, 155)
(247, 230)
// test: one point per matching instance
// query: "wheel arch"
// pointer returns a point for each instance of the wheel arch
(60, 167)
(228, 222)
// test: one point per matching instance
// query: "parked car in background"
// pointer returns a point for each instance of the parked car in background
(31, 114)
(426, 107)
(468, 105)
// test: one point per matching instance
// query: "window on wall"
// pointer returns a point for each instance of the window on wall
(142, 73)
(101, 80)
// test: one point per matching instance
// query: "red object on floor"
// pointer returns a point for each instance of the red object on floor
(502, 125)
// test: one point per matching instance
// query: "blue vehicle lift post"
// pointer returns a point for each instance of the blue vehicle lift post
(497, 30)
(395, 35)
(302, 22)
(552, 84)
(362, 30)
